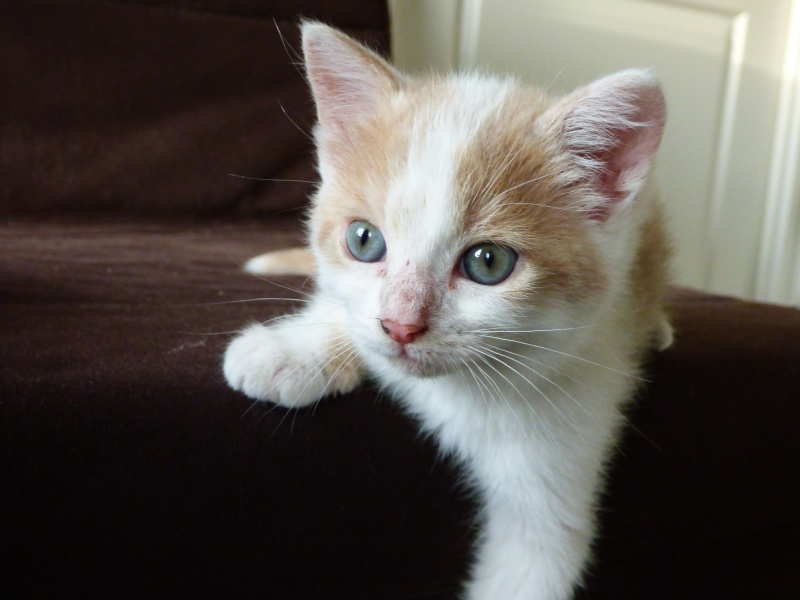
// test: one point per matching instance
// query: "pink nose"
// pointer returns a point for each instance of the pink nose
(402, 333)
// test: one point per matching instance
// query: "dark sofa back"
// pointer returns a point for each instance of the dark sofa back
(146, 107)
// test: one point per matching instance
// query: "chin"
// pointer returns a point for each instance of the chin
(411, 361)
(422, 367)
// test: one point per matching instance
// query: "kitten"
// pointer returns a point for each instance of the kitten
(492, 257)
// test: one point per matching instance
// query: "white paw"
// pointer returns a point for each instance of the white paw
(266, 365)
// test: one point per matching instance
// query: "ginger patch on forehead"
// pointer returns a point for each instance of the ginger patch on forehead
(512, 191)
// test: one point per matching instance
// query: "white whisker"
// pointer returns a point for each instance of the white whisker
(246, 300)
(335, 349)
(530, 330)
(578, 210)
(498, 356)
(529, 181)
(271, 179)
(500, 352)
(575, 380)
(500, 392)
(499, 172)
(567, 354)
(477, 382)
(300, 129)
(351, 356)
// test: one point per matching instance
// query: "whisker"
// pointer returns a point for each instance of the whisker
(552, 83)
(500, 392)
(297, 59)
(577, 381)
(499, 352)
(210, 333)
(486, 355)
(580, 358)
(477, 382)
(312, 296)
(529, 181)
(285, 286)
(486, 379)
(272, 282)
(530, 330)
(500, 170)
(335, 351)
(501, 197)
(271, 179)
(570, 209)
(300, 129)
(344, 339)
(249, 408)
(247, 300)
(538, 390)
(272, 409)
(352, 354)
(457, 370)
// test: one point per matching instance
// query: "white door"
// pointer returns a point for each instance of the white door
(727, 163)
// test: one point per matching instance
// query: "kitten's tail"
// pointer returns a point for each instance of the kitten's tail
(293, 261)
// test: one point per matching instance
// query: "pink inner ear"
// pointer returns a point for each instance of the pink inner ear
(347, 79)
(614, 128)
(608, 183)
(624, 166)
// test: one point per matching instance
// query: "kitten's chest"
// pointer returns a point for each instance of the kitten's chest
(512, 417)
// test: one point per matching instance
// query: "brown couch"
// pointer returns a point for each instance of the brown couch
(129, 469)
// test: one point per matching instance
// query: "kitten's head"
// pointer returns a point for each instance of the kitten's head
(455, 210)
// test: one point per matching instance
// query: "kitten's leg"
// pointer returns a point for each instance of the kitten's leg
(539, 484)
(522, 557)
(295, 361)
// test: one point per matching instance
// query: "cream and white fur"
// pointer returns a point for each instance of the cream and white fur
(525, 381)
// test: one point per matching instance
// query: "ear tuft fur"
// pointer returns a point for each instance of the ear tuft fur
(347, 79)
(612, 129)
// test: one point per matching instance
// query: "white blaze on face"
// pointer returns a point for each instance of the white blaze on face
(423, 223)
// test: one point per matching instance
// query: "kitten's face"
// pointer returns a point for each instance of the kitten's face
(439, 215)
(454, 213)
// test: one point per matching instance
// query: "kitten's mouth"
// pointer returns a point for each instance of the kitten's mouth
(417, 361)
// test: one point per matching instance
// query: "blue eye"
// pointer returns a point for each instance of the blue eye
(365, 242)
(488, 264)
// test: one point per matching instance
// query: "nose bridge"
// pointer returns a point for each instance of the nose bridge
(410, 295)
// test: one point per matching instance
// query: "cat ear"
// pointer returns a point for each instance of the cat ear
(347, 79)
(612, 129)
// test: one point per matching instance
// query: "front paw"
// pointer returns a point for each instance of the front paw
(265, 365)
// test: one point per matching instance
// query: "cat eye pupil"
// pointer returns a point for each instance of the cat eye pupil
(488, 264)
(488, 257)
(365, 242)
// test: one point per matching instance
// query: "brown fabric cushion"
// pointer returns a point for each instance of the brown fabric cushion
(145, 108)
(702, 498)
(129, 468)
